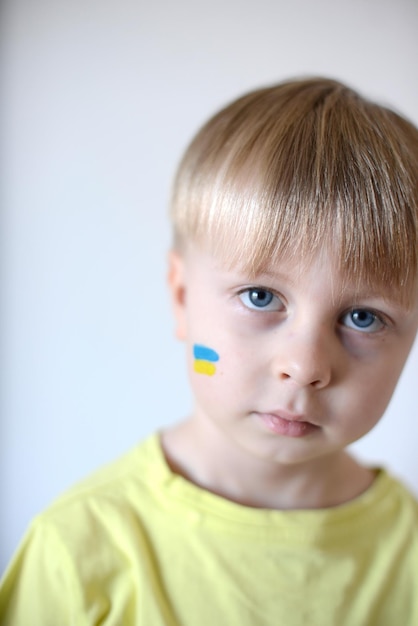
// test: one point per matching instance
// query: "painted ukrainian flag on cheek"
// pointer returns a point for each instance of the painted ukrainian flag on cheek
(204, 360)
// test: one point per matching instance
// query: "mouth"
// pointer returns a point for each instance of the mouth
(287, 424)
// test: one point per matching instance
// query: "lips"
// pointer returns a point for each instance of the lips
(287, 424)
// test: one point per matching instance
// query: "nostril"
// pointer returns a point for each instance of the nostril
(306, 376)
(316, 383)
(305, 360)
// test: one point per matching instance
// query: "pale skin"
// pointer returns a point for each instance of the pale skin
(305, 369)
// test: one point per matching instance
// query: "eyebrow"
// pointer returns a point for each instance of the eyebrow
(349, 290)
(272, 275)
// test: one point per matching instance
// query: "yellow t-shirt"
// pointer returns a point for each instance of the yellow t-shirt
(138, 545)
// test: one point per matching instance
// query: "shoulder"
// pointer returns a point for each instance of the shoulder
(389, 503)
(400, 498)
(95, 516)
(74, 552)
(118, 486)
(393, 524)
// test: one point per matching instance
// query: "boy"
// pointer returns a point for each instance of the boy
(294, 283)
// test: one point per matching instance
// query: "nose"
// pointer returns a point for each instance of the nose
(306, 359)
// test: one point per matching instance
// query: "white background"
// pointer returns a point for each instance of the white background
(99, 98)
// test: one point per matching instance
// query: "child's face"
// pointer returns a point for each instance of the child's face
(303, 370)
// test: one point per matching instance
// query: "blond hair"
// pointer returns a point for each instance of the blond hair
(291, 168)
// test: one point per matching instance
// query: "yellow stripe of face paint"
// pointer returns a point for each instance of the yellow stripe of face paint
(204, 367)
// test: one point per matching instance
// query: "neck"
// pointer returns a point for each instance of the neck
(206, 459)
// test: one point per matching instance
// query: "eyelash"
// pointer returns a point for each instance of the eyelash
(375, 318)
(275, 304)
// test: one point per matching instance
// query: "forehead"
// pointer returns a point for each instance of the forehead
(266, 179)
(294, 263)
(343, 285)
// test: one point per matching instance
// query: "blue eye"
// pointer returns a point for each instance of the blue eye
(258, 298)
(363, 320)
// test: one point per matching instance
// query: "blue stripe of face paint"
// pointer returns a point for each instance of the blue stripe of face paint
(205, 354)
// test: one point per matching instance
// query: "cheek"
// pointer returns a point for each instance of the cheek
(369, 395)
(217, 372)
(205, 360)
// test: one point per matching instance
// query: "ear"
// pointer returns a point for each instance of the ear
(177, 288)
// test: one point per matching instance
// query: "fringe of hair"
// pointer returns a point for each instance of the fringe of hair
(290, 169)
